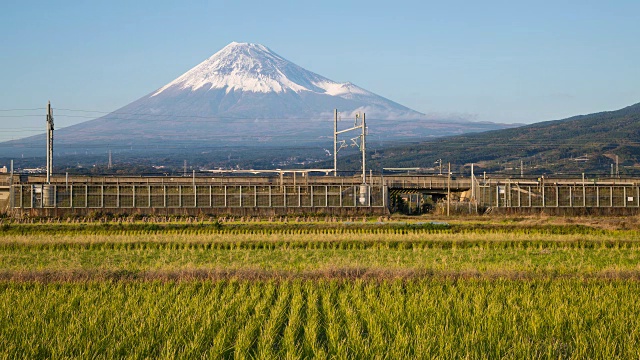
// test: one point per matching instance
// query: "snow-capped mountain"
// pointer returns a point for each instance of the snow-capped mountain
(241, 75)
(248, 94)
(255, 68)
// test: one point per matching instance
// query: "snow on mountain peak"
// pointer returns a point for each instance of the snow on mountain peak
(255, 68)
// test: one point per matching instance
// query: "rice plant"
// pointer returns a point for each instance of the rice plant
(317, 318)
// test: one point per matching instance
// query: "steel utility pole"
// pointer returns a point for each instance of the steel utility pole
(361, 145)
(49, 142)
(335, 142)
(448, 189)
(11, 194)
(363, 149)
(473, 189)
(364, 190)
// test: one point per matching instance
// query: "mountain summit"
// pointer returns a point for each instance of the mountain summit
(242, 73)
(246, 67)
(246, 94)
(250, 67)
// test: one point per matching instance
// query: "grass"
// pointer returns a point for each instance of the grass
(319, 290)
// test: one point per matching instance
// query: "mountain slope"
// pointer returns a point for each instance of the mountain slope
(585, 143)
(246, 94)
(230, 81)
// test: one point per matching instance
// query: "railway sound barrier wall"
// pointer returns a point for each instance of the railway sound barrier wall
(172, 198)
(516, 195)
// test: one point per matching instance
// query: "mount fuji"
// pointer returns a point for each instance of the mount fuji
(246, 94)
(250, 80)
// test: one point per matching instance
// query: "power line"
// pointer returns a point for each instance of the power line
(327, 118)
(444, 141)
(389, 144)
(19, 116)
(32, 109)
(295, 133)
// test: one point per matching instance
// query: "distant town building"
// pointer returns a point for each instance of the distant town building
(3, 170)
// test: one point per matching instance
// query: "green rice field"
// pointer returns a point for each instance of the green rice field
(479, 289)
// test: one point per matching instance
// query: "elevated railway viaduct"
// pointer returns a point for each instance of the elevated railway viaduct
(293, 193)
(301, 193)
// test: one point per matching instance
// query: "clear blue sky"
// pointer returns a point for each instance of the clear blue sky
(503, 61)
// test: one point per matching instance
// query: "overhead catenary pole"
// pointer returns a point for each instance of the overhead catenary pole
(473, 189)
(448, 189)
(11, 193)
(362, 145)
(584, 193)
(364, 134)
(49, 142)
(335, 142)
